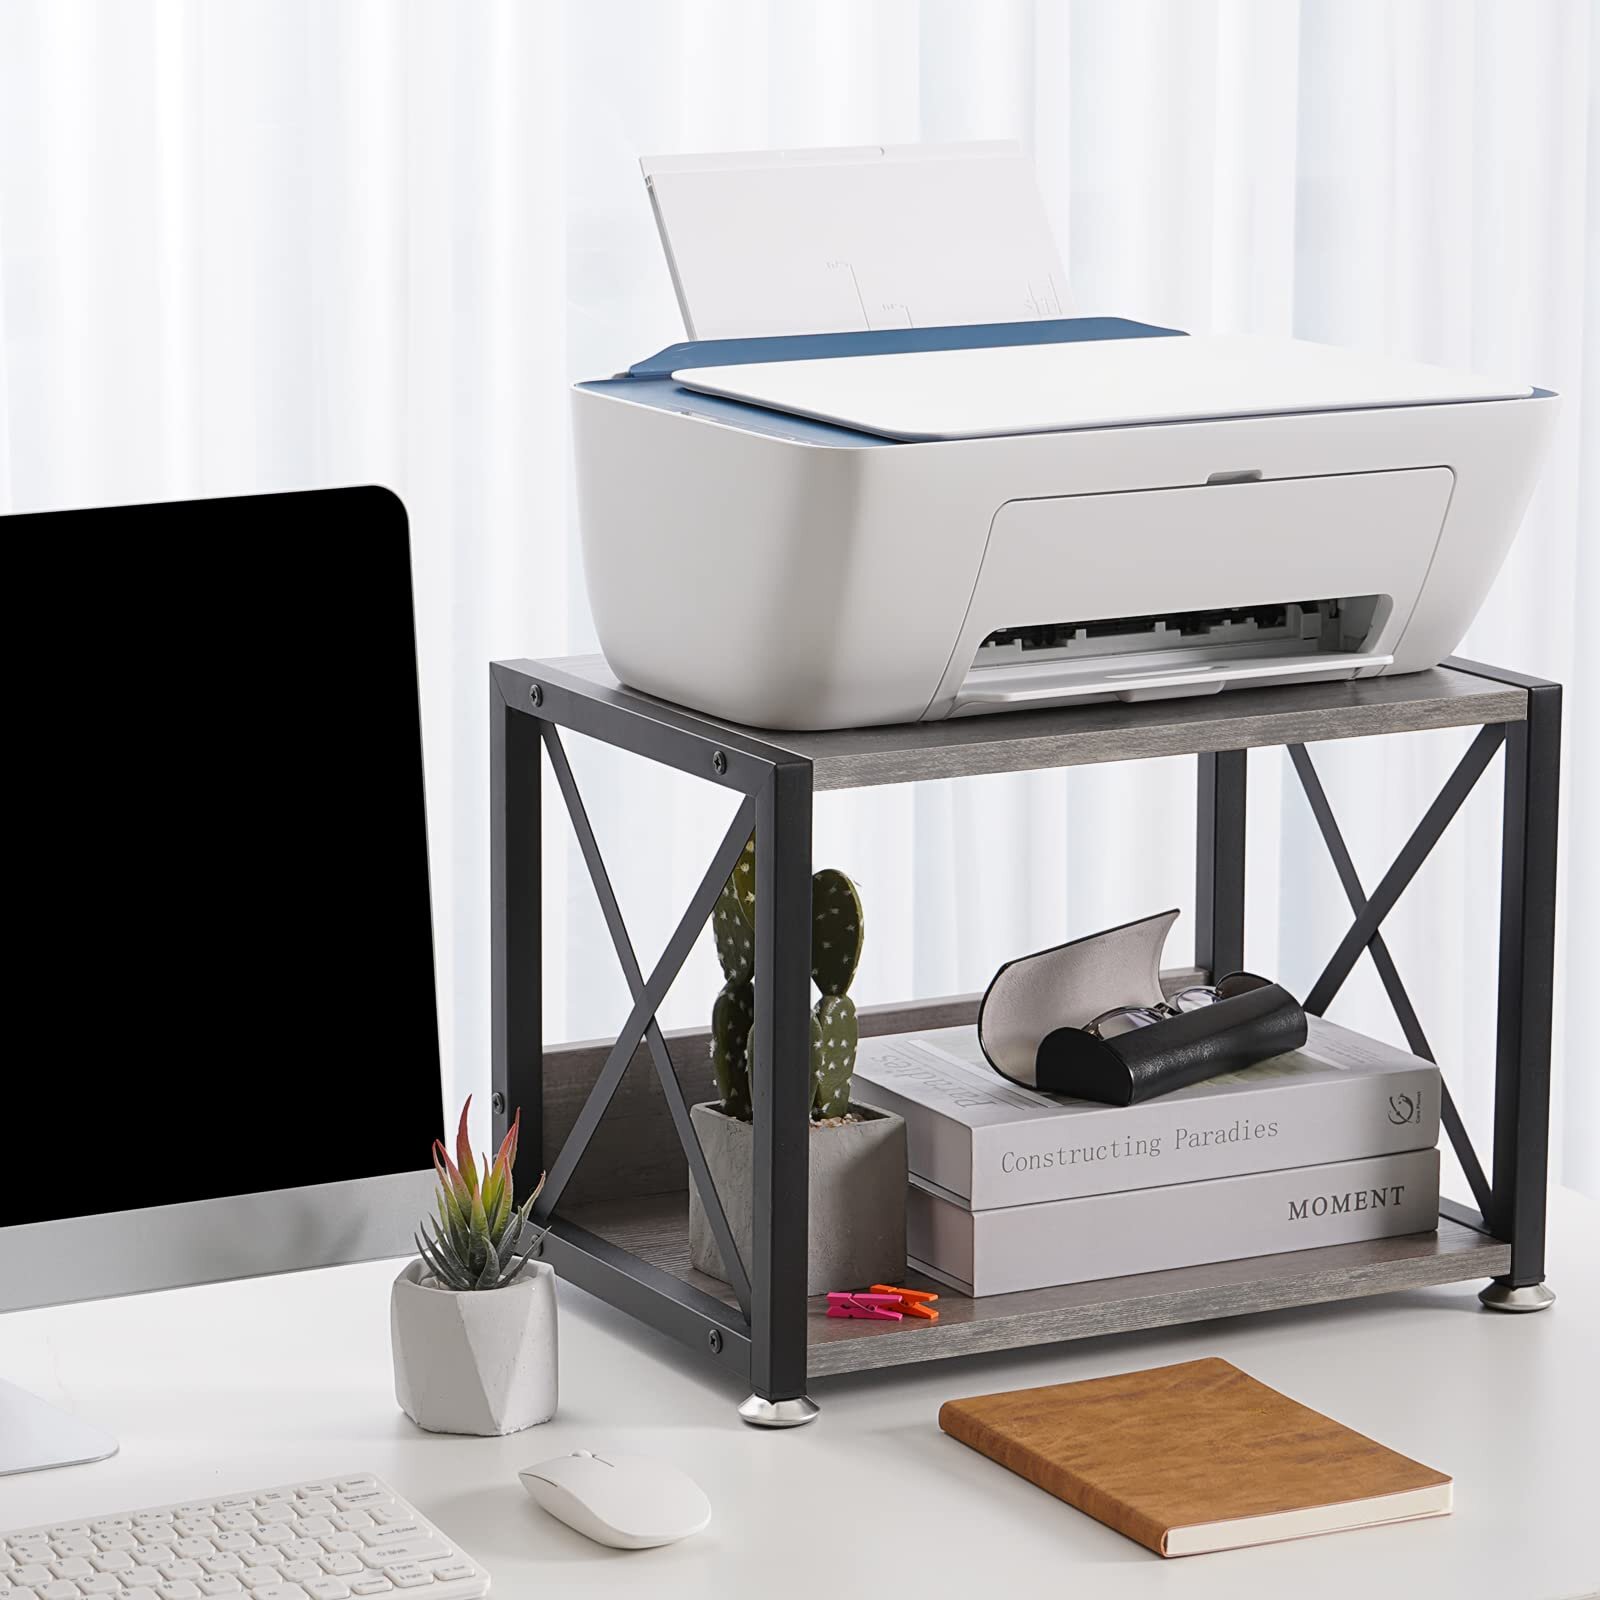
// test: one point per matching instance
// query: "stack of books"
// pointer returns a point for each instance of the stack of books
(1012, 1189)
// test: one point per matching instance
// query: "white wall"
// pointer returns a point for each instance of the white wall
(276, 243)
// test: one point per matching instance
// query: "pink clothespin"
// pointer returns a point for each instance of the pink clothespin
(864, 1307)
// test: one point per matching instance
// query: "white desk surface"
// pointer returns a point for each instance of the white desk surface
(245, 1385)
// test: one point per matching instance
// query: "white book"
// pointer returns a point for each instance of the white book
(1012, 1248)
(990, 1142)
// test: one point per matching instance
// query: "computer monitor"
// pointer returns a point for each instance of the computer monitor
(224, 1053)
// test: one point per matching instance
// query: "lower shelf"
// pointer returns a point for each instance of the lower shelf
(656, 1228)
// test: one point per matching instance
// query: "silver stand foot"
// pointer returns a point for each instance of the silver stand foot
(794, 1413)
(1500, 1296)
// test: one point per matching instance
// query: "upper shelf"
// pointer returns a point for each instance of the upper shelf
(1023, 741)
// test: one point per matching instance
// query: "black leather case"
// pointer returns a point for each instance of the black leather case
(1257, 1021)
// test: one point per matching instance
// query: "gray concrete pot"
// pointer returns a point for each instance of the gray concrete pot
(857, 1198)
(480, 1363)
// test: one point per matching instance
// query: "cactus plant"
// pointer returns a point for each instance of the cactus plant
(836, 937)
(475, 1243)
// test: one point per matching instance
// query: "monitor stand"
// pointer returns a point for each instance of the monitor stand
(35, 1434)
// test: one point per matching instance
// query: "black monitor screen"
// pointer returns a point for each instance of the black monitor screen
(222, 958)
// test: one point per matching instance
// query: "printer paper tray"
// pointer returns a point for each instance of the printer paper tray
(1144, 684)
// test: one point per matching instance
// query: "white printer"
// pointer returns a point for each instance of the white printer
(820, 530)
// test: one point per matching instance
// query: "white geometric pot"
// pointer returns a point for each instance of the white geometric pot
(479, 1362)
(856, 1231)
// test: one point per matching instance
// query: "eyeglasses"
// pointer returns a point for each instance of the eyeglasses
(1124, 1019)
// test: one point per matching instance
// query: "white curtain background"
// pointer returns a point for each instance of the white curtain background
(279, 243)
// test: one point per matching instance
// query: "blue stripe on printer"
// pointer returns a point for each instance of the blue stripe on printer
(890, 341)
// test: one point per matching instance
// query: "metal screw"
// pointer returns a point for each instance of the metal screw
(714, 1338)
(536, 694)
(719, 762)
(498, 1102)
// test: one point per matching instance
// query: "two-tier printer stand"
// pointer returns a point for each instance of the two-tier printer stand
(618, 1221)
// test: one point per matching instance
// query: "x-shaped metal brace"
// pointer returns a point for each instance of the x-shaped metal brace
(1370, 911)
(642, 1024)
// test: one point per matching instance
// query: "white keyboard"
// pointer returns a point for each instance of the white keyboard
(333, 1539)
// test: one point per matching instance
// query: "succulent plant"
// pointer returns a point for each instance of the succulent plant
(475, 1243)
(836, 937)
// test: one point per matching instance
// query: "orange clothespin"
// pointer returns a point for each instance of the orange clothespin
(913, 1302)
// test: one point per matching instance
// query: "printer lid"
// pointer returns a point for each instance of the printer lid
(992, 389)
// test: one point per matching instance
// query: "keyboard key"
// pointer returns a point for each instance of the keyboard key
(140, 1594)
(360, 1500)
(275, 1497)
(225, 1562)
(302, 1550)
(141, 1578)
(315, 1505)
(313, 1527)
(118, 1539)
(328, 1589)
(193, 1548)
(142, 1517)
(404, 1577)
(453, 1570)
(222, 1583)
(340, 1541)
(299, 1571)
(67, 1530)
(100, 1583)
(352, 1521)
(76, 1546)
(262, 1555)
(234, 1539)
(391, 1530)
(110, 1524)
(194, 1508)
(236, 1502)
(327, 1488)
(157, 1533)
(174, 1571)
(373, 1583)
(236, 1517)
(61, 1589)
(259, 1577)
(281, 1591)
(351, 1485)
(33, 1575)
(275, 1511)
(196, 1527)
(71, 1567)
(277, 1533)
(390, 1512)
(341, 1564)
(178, 1589)
(418, 1549)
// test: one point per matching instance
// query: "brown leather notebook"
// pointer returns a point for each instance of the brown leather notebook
(1196, 1457)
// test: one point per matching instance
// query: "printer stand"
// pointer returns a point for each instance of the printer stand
(618, 1220)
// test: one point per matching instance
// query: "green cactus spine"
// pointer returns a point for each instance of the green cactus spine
(834, 1035)
(837, 929)
(732, 1018)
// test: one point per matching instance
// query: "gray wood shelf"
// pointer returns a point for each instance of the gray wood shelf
(1024, 741)
(656, 1228)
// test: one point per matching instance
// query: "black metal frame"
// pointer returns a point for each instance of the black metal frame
(765, 1338)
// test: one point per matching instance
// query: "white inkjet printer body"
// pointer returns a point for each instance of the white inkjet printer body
(838, 529)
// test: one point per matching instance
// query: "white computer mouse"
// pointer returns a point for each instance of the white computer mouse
(628, 1502)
